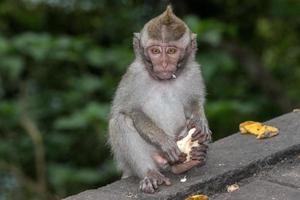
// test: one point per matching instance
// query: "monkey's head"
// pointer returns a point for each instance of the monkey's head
(165, 44)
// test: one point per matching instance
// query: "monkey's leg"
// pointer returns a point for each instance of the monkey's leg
(160, 160)
(133, 152)
(118, 146)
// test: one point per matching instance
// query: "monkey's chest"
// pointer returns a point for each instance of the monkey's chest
(166, 110)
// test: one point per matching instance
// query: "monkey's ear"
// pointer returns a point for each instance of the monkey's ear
(194, 40)
(136, 41)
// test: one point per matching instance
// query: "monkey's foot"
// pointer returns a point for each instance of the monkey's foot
(151, 182)
(199, 153)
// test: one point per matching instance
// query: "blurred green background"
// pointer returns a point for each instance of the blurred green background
(61, 61)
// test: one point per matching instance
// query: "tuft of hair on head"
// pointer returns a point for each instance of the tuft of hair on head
(166, 26)
(167, 16)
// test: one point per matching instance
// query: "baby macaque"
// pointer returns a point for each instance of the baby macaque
(160, 98)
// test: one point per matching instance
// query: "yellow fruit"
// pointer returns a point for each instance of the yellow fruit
(198, 197)
(260, 130)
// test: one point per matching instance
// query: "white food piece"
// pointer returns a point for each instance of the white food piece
(232, 188)
(185, 144)
(296, 110)
(183, 179)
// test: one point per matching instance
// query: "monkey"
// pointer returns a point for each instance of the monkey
(161, 95)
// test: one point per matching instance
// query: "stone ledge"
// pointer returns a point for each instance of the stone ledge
(229, 160)
(265, 190)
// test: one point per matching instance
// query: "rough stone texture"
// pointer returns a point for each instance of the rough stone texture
(280, 181)
(229, 160)
(259, 190)
(288, 174)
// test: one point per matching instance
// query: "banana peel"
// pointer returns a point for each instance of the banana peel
(197, 197)
(260, 130)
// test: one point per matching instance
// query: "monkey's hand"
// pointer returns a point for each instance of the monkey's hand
(171, 150)
(199, 153)
(202, 133)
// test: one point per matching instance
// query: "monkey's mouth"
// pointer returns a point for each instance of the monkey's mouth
(165, 75)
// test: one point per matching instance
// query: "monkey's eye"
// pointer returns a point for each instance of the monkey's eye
(155, 50)
(171, 50)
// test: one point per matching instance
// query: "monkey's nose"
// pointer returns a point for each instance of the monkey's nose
(164, 64)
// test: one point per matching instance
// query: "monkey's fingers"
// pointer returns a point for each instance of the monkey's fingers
(180, 137)
(166, 181)
(172, 157)
(205, 129)
(191, 125)
(209, 138)
(200, 148)
(201, 159)
(158, 178)
(174, 154)
(199, 135)
(198, 154)
(182, 157)
(146, 185)
(155, 183)
(161, 179)
(151, 182)
(182, 134)
(171, 150)
(204, 139)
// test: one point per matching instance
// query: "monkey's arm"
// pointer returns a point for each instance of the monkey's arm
(155, 135)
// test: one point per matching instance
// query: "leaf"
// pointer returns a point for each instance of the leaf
(11, 67)
(73, 121)
(4, 45)
(92, 113)
(86, 84)
(95, 57)
(38, 46)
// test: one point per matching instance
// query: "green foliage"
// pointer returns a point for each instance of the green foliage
(61, 62)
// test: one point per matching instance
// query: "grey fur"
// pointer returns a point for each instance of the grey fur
(148, 114)
(167, 103)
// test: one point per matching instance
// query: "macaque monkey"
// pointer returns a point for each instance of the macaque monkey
(159, 98)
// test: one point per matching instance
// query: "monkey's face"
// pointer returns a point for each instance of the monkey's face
(165, 44)
(164, 58)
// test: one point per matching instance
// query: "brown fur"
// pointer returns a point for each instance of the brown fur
(166, 26)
